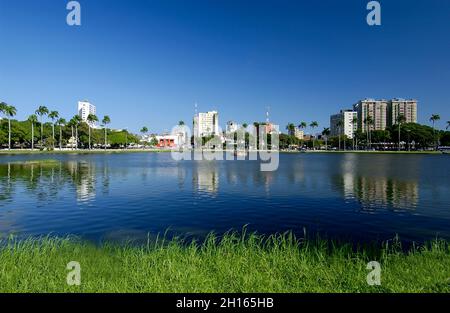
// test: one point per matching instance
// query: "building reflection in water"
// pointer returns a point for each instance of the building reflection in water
(377, 187)
(84, 176)
(205, 177)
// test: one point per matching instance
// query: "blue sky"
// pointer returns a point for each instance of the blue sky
(148, 62)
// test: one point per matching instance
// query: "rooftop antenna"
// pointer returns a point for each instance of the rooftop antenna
(195, 107)
(267, 114)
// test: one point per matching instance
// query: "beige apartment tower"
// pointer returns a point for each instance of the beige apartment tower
(377, 109)
(407, 108)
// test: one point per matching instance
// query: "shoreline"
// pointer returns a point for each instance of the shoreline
(232, 263)
(118, 151)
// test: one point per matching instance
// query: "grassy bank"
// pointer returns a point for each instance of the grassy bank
(232, 264)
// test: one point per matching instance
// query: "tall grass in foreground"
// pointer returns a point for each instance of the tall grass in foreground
(233, 263)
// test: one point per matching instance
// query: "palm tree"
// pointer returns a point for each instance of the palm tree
(91, 119)
(339, 125)
(313, 125)
(42, 111)
(434, 118)
(10, 111)
(448, 125)
(326, 132)
(290, 128)
(180, 123)
(144, 130)
(75, 121)
(33, 120)
(400, 120)
(3, 106)
(53, 115)
(106, 120)
(369, 123)
(245, 125)
(302, 125)
(61, 122)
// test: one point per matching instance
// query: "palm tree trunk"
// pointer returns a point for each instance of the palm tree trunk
(32, 136)
(9, 135)
(105, 137)
(76, 137)
(42, 133)
(60, 137)
(53, 133)
(89, 137)
(399, 137)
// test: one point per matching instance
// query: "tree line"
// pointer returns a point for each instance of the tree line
(402, 135)
(55, 131)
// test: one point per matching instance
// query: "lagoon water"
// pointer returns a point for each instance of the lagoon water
(131, 196)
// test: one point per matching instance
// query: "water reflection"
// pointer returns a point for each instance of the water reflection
(135, 194)
(380, 185)
(205, 177)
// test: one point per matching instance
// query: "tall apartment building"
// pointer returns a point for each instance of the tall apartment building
(206, 124)
(407, 108)
(348, 126)
(84, 109)
(377, 109)
(385, 112)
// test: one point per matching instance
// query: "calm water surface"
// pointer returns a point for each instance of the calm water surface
(127, 196)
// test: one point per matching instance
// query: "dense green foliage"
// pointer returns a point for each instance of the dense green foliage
(21, 135)
(235, 263)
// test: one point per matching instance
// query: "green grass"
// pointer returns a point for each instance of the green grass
(235, 263)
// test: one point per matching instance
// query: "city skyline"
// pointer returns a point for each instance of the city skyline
(147, 64)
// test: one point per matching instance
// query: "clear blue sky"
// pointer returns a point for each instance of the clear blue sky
(147, 62)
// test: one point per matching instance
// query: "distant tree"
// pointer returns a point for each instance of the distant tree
(41, 112)
(10, 111)
(91, 118)
(75, 121)
(144, 130)
(448, 125)
(400, 120)
(33, 120)
(434, 118)
(369, 123)
(290, 128)
(53, 115)
(245, 125)
(105, 121)
(180, 123)
(326, 132)
(302, 125)
(61, 122)
(313, 125)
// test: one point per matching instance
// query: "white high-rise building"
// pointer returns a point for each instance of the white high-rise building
(206, 124)
(349, 124)
(84, 109)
